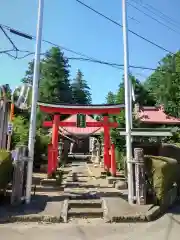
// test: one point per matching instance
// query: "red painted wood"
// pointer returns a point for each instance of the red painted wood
(89, 111)
(106, 143)
(73, 124)
(113, 160)
(55, 130)
(50, 160)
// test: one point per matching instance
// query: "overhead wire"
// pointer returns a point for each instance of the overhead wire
(89, 59)
(12, 43)
(161, 14)
(120, 25)
(83, 57)
(153, 18)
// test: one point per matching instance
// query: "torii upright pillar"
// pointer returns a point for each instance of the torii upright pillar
(107, 157)
(55, 130)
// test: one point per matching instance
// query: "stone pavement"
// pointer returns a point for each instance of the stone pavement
(166, 228)
(51, 204)
(118, 208)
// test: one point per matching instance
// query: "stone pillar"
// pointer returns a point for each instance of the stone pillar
(102, 155)
(98, 152)
(140, 176)
(19, 176)
(3, 123)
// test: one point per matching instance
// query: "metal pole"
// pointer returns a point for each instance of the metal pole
(127, 104)
(32, 128)
(131, 107)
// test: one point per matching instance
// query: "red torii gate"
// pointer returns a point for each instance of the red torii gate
(57, 110)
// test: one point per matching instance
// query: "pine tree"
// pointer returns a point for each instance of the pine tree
(80, 90)
(111, 98)
(55, 85)
(29, 73)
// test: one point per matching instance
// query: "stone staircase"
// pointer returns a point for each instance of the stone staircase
(84, 208)
(82, 202)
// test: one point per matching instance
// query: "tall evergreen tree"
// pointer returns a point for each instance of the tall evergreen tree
(111, 98)
(28, 78)
(80, 90)
(55, 85)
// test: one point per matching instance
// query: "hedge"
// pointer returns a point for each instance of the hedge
(6, 169)
(162, 173)
(41, 147)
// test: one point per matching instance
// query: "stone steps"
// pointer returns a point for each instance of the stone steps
(48, 182)
(84, 208)
(85, 203)
(85, 213)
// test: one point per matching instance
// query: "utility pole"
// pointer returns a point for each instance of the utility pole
(32, 128)
(128, 101)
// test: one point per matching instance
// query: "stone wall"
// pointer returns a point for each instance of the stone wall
(171, 151)
(158, 149)
(149, 148)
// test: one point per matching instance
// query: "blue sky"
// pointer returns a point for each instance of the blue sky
(69, 24)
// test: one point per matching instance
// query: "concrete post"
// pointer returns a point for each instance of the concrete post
(19, 176)
(140, 176)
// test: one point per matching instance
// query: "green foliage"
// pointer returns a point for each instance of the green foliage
(54, 84)
(59, 177)
(162, 173)
(20, 131)
(28, 78)
(6, 169)
(142, 97)
(164, 84)
(80, 90)
(119, 159)
(111, 98)
(5, 91)
(41, 147)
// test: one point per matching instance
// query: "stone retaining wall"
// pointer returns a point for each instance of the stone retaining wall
(158, 149)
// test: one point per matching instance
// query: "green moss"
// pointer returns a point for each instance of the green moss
(6, 169)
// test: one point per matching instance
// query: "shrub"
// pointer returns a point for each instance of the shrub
(20, 132)
(6, 169)
(120, 162)
(162, 173)
(41, 147)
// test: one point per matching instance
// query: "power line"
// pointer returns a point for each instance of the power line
(20, 33)
(120, 25)
(14, 46)
(153, 18)
(89, 59)
(83, 57)
(12, 43)
(163, 15)
(157, 13)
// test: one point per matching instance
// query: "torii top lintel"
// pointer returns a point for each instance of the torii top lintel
(84, 109)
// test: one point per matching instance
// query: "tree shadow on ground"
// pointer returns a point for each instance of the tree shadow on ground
(37, 205)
